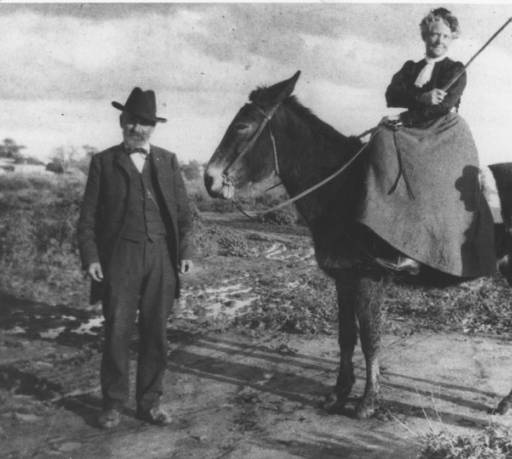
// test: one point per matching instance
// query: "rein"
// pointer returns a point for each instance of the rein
(306, 191)
(266, 120)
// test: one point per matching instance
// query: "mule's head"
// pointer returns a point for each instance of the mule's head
(245, 154)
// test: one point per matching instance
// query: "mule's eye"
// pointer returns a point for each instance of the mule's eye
(241, 126)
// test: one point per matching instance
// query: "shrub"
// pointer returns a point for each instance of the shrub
(38, 250)
(284, 216)
(233, 244)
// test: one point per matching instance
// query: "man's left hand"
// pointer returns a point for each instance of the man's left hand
(186, 266)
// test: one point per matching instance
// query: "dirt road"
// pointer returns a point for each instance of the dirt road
(237, 397)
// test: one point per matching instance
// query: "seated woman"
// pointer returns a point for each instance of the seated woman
(418, 85)
(423, 191)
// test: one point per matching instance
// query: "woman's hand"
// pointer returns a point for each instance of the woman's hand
(433, 97)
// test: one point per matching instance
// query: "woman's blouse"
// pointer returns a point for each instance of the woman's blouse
(403, 93)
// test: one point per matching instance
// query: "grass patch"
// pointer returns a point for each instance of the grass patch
(479, 306)
(300, 302)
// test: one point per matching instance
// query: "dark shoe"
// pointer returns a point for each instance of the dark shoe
(505, 268)
(408, 265)
(109, 418)
(156, 415)
(403, 265)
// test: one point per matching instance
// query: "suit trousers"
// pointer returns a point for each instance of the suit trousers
(140, 277)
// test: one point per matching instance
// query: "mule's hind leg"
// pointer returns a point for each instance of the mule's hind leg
(369, 315)
(346, 286)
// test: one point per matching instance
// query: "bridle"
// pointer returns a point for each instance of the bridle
(267, 117)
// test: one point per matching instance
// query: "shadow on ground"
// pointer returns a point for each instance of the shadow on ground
(51, 353)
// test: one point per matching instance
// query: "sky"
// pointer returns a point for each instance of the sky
(63, 64)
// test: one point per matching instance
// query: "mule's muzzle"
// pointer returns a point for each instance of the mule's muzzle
(208, 182)
(218, 184)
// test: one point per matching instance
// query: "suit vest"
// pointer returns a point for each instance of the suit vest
(146, 216)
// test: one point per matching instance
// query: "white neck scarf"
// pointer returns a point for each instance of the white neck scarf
(426, 72)
(139, 158)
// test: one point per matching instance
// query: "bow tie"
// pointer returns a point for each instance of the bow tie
(138, 150)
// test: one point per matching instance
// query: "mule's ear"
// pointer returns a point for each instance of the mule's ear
(276, 93)
(287, 87)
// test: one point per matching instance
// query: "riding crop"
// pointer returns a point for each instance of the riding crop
(487, 43)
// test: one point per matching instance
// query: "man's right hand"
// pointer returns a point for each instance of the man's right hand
(95, 272)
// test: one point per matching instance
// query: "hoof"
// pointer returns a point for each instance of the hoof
(366, 408)
(504, 406)
(331, 404)
(335, 401)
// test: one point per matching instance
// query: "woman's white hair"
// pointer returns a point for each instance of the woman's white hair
(437, 15)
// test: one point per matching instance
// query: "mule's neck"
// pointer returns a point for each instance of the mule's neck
(310, 150)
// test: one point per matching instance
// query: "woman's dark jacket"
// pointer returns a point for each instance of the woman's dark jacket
(402, 93)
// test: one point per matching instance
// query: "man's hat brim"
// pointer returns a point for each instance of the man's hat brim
(152, 119)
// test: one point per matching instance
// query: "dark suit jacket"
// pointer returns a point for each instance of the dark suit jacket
(103, 208)
(402, 93)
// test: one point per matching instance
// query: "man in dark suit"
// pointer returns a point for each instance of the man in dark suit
(134, 235)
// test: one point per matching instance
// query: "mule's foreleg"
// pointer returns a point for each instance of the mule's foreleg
(369, 315)
(346, 286)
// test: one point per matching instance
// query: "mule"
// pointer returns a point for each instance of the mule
(274, 133)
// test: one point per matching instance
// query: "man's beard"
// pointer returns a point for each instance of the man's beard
(135, 139)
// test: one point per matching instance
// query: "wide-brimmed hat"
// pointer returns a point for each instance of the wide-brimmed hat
(142, 104)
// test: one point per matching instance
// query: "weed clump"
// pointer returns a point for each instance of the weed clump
(494, 442)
